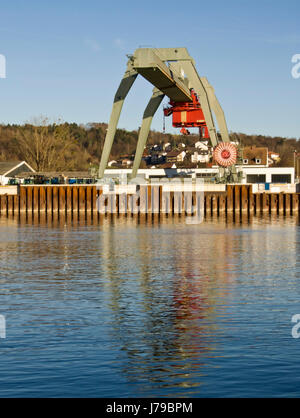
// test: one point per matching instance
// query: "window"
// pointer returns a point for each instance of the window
(257, 160)
(245, 161)
(256, 178)
(203, 175)
(281, 178)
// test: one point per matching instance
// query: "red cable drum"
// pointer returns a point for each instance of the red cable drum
(225, 154)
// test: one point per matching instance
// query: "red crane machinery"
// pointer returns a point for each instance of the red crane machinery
(188, 115)
(192, 104)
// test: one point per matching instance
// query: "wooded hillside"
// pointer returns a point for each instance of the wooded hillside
(65, 146)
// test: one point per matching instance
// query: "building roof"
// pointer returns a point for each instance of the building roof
(7, 166)
(274, 153)
(69, 174)
(199, 151)
(174, 153)
(254, 153)
(201, 144)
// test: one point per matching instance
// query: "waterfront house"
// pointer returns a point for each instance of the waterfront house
(175, 156)
(199, 155)
(9, 169)
(202, 145)
(273, 157)
(257, 156)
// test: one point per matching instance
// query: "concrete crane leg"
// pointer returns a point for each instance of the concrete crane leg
(125, 85)
(217, 109)
(150, 110)
(196, 83)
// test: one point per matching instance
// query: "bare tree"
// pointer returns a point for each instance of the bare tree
(44, 145)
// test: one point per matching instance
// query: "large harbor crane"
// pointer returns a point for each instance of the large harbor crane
(192, 103)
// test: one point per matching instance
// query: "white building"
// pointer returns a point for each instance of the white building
(273, 157)
(251, 174)
(10, 169)
(167, 146)
(174, 156)
(200, 157)
(202, 145)
(111, 163)
(268, 174)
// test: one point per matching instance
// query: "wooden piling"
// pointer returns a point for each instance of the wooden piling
(229, 198)
(81, 201)
(3, 205)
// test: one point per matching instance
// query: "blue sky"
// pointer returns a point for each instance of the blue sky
(65, 58)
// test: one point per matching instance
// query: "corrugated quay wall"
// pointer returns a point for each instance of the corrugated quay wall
(96, 201)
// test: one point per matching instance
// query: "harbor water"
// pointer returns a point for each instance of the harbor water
(126, 307)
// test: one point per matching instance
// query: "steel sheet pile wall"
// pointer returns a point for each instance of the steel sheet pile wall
(81, 200)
